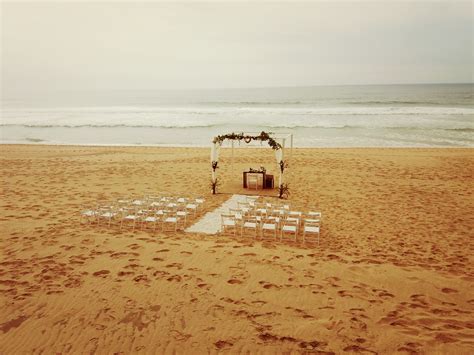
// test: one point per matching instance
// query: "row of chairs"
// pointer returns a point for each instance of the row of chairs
(265, 219)
(146, 212)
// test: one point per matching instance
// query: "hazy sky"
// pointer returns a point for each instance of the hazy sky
(153, 45)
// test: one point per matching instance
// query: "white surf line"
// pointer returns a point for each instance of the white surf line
(210, 223)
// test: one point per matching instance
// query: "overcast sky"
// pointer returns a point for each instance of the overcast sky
(152, 45)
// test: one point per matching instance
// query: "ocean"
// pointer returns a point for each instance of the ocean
(438, 115)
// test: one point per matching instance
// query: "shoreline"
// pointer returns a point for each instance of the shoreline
(224, 147)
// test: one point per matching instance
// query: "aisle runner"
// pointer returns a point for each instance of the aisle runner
(210, 223)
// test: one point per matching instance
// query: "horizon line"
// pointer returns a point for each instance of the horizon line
(246, 87)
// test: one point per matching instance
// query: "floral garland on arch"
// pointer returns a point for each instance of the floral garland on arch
(263, 137)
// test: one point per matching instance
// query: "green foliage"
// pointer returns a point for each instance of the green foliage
(284, 191)
(263, 137)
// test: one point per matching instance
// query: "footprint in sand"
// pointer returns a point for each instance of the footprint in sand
(344, 293)
(125, 273)
(141, 279)
(132, 266)
(176, 278)
(449, 290)
(385, 295)
(176, 265)
(234, 281)
(268, 285)
(222, 344)
(101, 273)
(249, 254)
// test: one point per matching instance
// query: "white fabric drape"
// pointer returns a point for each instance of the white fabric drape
(279, 158)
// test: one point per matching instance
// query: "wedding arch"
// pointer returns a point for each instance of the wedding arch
(275, 141)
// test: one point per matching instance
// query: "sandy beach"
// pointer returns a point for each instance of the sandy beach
(393, 273)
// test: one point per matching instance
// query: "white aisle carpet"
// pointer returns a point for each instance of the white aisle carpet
(210, 223)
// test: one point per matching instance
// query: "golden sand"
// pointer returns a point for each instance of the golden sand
(393, 272)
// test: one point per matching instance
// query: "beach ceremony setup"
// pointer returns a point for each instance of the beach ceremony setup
(236, 177)
(256, 216)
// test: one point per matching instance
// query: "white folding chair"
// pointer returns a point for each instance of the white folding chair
(313, 214)
(295, 214)
(290, 227)
(281, 213)
(155, 204)
(245, 207)
(107, 213)
(129, 215)
(90, 214)
(182, 215)
(311, 226)
(192, 207)
(238, 215)
(199, 201)
(182, 200)
(269, 226)
(151, 218)
(249, 223)
(138, 202)
(170, 219)
(228, 221)
(261, 211)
